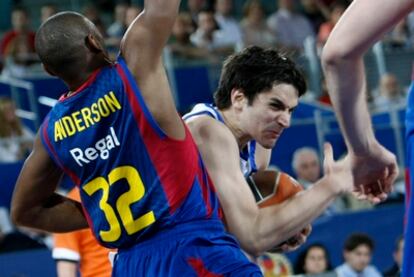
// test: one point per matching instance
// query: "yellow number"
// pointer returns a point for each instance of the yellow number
(134, 194)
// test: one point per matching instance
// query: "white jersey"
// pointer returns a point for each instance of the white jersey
(247, 154)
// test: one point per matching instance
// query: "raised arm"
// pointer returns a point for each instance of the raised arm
(142, 48)
(44, 209)
(360, 27)
(257, 229)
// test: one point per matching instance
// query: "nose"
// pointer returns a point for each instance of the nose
(284, 119)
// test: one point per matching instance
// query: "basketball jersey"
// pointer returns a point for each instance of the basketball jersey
(408, 268)
(134, 180)
(247, 154)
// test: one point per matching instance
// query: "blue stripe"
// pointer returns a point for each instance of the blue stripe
(44, 140)
(252, 161)
(141, 101)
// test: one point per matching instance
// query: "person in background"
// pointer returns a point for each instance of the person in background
(47, 10)
(395, 269)
(357, 252)
(314, 260)
(15, 139)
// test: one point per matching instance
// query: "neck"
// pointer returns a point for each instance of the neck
(82, 76)
(232, 122)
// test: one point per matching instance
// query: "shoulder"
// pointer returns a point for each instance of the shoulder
(207, 129)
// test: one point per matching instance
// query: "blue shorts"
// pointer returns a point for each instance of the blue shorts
(199, 248)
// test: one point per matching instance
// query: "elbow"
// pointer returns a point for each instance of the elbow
(334, 54)
(254, 246)
(18, 215)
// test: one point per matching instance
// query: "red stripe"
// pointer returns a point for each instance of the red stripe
(198, 266)
(176, 177)
(205, 191)
(71, 174)
(407, 193)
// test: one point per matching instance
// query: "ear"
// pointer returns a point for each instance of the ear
(93, 44)
(238, 99)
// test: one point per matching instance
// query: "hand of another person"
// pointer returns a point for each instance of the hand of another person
(374, 173)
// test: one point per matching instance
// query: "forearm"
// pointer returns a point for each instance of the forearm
(54, 214)
(348, 96)
(66, 268)
(278, 223)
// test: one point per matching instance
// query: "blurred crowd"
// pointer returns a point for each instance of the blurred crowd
(209, 31)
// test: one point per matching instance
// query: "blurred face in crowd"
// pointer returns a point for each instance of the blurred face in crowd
(46, 12)
(224, 7)
(315, 261)
(206, 22)
(131, 13)
(286, 4)
(8, 109)
(359, 258)
(182, 27)
(255, 12)
(194, 6)
(389, 86)
(120, 12)
(308, 166)
(20, 20)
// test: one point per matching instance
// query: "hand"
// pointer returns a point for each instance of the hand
(374, 173)
(294, 242)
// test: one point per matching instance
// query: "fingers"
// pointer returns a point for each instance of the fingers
(328, 156)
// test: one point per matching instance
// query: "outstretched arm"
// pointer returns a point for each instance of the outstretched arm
(257, 229)
(35, 203)
(142, 47)
(360, 27)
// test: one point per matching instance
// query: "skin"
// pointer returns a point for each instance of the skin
(264, 120)
(35, 203)
(359, 258)
(315, 262)
(374, 167)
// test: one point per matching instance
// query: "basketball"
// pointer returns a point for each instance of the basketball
(271, 187)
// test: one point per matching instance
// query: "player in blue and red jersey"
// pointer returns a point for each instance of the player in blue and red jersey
(375, 168)
(117, 134)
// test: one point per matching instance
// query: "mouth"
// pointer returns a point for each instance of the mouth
(274, 134)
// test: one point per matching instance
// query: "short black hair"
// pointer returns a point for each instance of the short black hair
(358, 239)
(60, 42)
(300, 261)
(255, 70)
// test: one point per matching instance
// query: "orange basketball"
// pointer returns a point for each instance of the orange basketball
(271, 187)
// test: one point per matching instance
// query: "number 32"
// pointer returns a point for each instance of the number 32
(135, 193)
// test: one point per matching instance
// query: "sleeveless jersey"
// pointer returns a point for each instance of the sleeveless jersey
(134, 180)
(408, 268)
(247, 154)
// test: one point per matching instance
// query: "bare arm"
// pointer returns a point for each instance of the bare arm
(343, 65)
(142, 48)
(257, 229)
(35, 203)
(67, 269)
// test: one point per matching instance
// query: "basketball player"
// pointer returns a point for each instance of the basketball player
(374, 166)
(257, 93)
(117, 134)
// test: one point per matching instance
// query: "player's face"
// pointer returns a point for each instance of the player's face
(359, 258)
(269, 114)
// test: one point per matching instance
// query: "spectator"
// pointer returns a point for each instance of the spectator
(46, 11)
(228, 25)
(399, 36)
(118, 27)
(314, 260)
(194, 7)
(316, 12)
(357, 253)
(180, 44)
(389, 93)
(290, 27)
(15, 139)
(395, 270)
(254, 27)
(337, 9)
(131, 14)
(306, 165)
